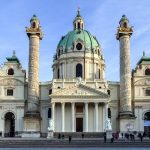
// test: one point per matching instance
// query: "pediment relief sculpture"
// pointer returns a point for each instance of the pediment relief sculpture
(11, 82)
(142, 82)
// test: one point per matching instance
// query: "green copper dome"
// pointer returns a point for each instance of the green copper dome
(68, 41)
(78, 40)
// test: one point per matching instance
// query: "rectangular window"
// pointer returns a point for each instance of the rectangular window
(79, 109)
(147, 92)
(9, 92)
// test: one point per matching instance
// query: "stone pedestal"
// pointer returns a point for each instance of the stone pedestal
(32, 123)
(109, 134)
(50, 134)
(127, 124)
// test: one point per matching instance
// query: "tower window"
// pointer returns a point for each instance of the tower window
(147, 92)
(78, 25)
(34, 25)
(79, 46)
(9, 92)
(58, 74)
(125, 25)
(147, 71)
(78, 70)
(10, 71)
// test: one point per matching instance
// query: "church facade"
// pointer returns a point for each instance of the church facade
(78, 99)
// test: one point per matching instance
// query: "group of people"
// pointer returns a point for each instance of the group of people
(127, 136)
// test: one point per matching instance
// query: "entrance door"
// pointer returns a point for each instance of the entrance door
(9, 124)
(79, 124)
(147, 123)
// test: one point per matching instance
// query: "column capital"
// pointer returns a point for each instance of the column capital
(63, 103)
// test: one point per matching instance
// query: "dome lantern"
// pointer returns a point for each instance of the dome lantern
(78, 22)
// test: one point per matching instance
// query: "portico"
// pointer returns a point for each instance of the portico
(79, 113)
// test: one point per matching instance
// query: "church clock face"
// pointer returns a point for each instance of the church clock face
(79, 46)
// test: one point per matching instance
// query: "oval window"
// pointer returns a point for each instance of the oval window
(79, 46)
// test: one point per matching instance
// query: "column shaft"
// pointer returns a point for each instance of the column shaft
(73, 116)
(53, 115)
(63, 116)
(96, 117)
(86, 117)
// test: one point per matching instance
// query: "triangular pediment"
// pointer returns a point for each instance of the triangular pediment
(80, 90)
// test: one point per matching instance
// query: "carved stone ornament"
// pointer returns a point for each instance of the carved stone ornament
(11, 82)
(143, 82)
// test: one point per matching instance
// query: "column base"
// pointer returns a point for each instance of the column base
(32, 123)
(126, 115)
(30, 134)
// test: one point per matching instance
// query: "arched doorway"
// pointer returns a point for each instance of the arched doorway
(9, 125)
(147, 123)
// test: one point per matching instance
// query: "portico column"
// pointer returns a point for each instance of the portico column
(96, 117)
(106, 111)
(73, 116)
(106, 114)
(63, 116)
(53, 115)
(86, 117)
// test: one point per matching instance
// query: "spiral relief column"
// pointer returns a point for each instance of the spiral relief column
(32, 115)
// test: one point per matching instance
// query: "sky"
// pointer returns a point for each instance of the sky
(56, 18)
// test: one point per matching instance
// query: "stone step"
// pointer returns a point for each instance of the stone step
(74, 143)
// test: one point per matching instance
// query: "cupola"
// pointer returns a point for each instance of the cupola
(34, 22)
(124, 22)
(78, 22)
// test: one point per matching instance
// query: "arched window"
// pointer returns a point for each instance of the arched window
(34, 25)
(49, 113)
(58, 74)
(10, 71)
(78, 25)
(147, 116)
(147, 71)
(78, 70)
(99, 73)
(125, 24)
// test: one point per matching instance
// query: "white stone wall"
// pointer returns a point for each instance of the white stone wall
(70, 60)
